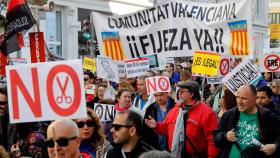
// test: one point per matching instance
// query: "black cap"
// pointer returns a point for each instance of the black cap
(190, 85)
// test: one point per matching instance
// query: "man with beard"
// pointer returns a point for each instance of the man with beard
(127, 130)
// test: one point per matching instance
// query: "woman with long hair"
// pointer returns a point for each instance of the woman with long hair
(93, 141)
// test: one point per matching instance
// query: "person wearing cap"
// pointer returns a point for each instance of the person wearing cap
(189, 125)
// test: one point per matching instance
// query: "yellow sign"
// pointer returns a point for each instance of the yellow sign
(89, 64)
(274, 31)
(205, 63)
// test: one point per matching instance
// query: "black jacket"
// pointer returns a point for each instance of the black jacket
(149, 135)
(140, 148)
(268, 125)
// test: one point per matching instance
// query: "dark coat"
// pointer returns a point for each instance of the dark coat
(149, 135)
(140, 148)
(268, 125)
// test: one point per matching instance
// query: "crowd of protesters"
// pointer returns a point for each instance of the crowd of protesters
(195, 120)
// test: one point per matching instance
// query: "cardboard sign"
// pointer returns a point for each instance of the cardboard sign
(136, 67)
(270, 62)
(105, 112)
(37, 47)
(177, 28)
(110, 93)
(214, 80)
(107, 69)
(158, 84)
(224, 66)
(121, 68)
(46, 91)
(206, 63)
(244, 73)
(89, 64)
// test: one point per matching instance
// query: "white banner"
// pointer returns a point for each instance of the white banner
(158, 84)
(176, 28)
(136, 67)
(46, 91)
(244, 73)
(105, 112)
(107, 68)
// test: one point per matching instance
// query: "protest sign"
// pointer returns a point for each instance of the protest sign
(110, 93)
(107, 69)
(17, 61)
(105, 112)
(270, 62)
(136, 67)
(214, 80)
(37, 47)
(46, 91)
(89, 64)
(158, 84)
(121, 68)
(169, 60)
(244, 73)
(175, 28)
(206, 63)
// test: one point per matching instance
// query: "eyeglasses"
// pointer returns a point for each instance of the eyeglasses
(62, 142)
(3, 102)
(89, 123)
(117, 127)
(182, 91)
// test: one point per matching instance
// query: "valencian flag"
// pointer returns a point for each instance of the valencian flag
(112, 45)
(18, 20)
(239, 41)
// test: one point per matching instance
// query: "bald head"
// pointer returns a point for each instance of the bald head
(62, 126)
(246, 99)
(66, 132)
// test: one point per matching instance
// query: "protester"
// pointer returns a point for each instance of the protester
(142, 100)
(275, 86)
(126, 85)
(185, 75)
(89, 85)
(179, 68)
(124, 100)
(212, 89)
(3, 152)
(150, 73)
(156, 154)
(127, 130)
(171, 73)
(63, 139)
(100, 90)
(93, 141)
(247, 122)
(227, 102)
(189, 124)
(5, 127)
(264, 99)
(158, 110)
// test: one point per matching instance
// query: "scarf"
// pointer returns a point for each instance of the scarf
(179, 131)
(119, 108)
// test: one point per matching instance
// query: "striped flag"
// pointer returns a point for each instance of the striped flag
(239, 42)
(112, 45)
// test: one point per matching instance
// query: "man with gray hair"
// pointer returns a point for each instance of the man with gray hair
(62, 139)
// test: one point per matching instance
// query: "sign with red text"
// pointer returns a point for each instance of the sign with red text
(158, 84)
(46, 91)
(136, 67)
(270, 62)
(37, 47)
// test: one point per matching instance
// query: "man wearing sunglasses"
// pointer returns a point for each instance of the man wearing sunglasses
(127, 130)
(62, 139)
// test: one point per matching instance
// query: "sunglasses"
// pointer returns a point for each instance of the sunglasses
(117, 127)
(62, 142)
(89, 123)
(85, 79)
(3, 102)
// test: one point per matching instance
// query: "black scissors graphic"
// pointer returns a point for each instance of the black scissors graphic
(59, 99)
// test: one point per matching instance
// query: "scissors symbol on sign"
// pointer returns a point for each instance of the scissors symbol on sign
(59, 99)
